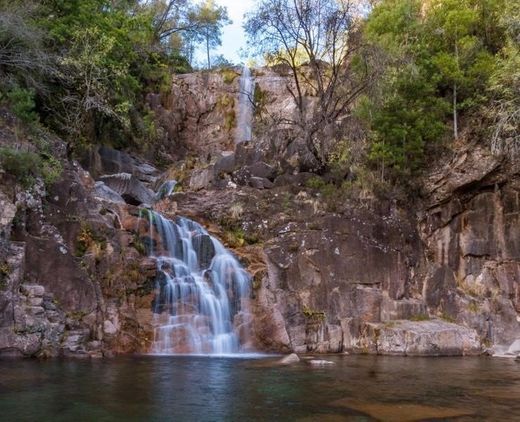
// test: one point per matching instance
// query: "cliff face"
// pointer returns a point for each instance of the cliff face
(438, 277)
(344, 279)
(471, 235)
(75, 282)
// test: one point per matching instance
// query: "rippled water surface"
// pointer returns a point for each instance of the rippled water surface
(356, 388)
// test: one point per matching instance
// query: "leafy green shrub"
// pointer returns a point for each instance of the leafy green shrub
(23, 165)
(22, 104)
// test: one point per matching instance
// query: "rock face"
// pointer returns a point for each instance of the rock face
(73, 281)
(439, 277)
(424, 338)
(471, 234)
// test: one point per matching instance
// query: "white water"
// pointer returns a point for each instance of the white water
(202, 292)
(245, 106)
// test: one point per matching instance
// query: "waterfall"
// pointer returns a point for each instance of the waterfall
(245, 106)
(202, 292)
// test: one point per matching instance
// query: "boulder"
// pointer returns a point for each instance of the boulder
(202, 178)
(105, 160)
(299, 179)
(225, 165)
(289, 359)
(129, 187)
(247, 154)
(205, 249)
(262, 170)
(258, 171)
(260, 183)
(514, 349)
(103, 192)
(321, 362)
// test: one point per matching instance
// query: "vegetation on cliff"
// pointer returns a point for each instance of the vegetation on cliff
(84, 68)
(379, 89)
(414, 73)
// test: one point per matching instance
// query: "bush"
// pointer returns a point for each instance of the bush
(22, 104)
(23, 165)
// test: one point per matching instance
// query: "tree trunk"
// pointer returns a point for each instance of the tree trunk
(455, 118)
(455, 122)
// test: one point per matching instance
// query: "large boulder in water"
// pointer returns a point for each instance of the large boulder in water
(129, 187)
(205, 249)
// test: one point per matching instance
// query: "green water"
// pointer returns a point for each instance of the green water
(356, 388)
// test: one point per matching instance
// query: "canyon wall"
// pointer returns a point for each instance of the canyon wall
(439, 276)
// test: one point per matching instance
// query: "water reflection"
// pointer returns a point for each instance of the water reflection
(186, 388)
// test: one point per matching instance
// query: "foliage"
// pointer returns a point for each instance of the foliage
(24, 166)
(88, 241)
(21, 102)
(228, 75)
(84, 68)
(504, 110)
(315, 40)
(313, 316)
(436, 59)
(208, 20)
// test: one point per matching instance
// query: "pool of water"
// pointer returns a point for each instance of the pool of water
(187, 388)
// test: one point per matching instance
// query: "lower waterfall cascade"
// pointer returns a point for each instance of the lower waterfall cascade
(201, 303)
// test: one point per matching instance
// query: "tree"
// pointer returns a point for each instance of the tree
(170, 17)
(438, 57)
(207, 21)
(316, 40)
(23, 57)
(504, 109)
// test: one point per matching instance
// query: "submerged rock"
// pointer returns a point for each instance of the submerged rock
(321, 362)
(401, 412)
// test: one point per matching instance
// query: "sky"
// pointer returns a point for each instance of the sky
(233, 36)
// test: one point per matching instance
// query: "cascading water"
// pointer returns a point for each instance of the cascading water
(202, 292)
(245, 106)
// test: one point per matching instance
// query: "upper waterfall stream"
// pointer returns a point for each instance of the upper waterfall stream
(245, 106)
(201, 303)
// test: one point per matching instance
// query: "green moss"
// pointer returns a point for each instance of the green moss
(234, 235)
(139, 245)
(260, 99)
(420, 317)
(5, 270)
(76, 315)
(228, 75)
(448, 318)
(226, 105)
(230, 120)
(313, 315)
(474, 307)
